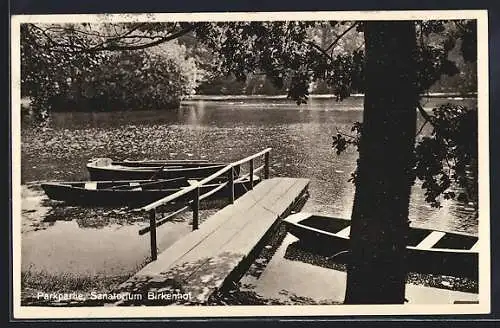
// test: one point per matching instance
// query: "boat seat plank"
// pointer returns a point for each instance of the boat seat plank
(91, 185)
(344, 232)
(431, 240)
(136, 185)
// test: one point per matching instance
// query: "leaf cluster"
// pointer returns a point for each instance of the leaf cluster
(284, 51)
(342, 141)
(446, 160)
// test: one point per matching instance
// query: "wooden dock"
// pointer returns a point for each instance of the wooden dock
(220, 250)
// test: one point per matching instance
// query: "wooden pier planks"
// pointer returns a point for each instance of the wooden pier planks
(224, 245)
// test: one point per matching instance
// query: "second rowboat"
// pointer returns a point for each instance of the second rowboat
(132, 193)
(107, 169)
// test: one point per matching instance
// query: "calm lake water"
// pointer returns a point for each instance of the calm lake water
(59, 240)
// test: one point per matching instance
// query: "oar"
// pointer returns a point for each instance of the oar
(158, 171)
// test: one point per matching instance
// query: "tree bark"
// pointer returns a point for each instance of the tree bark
(376, 273)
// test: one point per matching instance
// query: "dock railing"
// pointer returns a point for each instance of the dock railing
(196, 198)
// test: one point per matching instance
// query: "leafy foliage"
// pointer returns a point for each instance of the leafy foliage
(57, 74)
(455, 43)
(449, 155)
(445, 160)
(341, 141)
(295, 56)
(284, 51)
(155, 78)
(45, 70)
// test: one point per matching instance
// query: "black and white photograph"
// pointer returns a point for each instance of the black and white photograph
(250, 164)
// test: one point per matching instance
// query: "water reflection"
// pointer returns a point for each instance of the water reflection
(280, 281)
(92, 241)
(114, 250)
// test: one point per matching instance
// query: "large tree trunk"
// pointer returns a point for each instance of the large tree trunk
(377, 271)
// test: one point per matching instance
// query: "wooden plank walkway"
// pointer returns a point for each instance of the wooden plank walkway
(221, 250)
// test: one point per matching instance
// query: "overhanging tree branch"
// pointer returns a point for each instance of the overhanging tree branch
(54, 43)
(314, 45)
(59, 29)
(114, 47)
(337, 39)
(110, 45)
(133, 29)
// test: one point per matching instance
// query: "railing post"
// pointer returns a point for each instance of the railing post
(266, 165)
(196, 208)
(251, 174)
(152, 225)
(231, 185)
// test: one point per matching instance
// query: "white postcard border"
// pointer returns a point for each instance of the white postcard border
(32, 312)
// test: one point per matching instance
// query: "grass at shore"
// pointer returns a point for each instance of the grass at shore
(42, 280)
(34, 281)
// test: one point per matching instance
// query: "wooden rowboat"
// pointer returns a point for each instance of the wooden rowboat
(428, 251)
(132, 193)
(107, 169)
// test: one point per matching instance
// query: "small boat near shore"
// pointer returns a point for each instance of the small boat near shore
(132, 193)
(429, 251)
(106, 169)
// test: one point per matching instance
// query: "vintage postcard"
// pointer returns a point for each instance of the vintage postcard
(250, 164)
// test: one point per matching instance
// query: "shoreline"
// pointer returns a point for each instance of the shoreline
(26, 103)
(453, 95)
